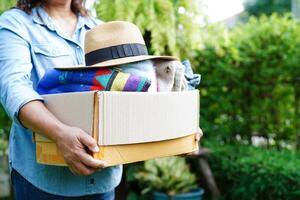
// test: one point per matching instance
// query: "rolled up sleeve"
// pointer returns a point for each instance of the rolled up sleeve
(16, 88)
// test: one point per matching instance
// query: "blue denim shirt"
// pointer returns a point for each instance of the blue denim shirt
(29, 44)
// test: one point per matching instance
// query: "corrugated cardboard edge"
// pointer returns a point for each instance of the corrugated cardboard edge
(48, 153)
(95, 129)
(198, 106)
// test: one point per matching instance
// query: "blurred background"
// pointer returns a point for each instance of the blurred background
(248, 53)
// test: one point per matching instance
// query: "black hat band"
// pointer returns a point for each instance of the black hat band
(115, 52)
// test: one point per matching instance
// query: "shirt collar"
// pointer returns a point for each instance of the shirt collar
(84, 21)
(40, 16)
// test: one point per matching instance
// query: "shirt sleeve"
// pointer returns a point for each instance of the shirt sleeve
(16, 88)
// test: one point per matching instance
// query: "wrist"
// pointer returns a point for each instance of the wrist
(58, 132)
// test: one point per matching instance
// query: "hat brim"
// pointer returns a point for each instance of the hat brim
(119, 61)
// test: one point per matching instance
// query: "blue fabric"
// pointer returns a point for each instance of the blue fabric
(29, 45)
(192, 79)
(61, 81)
(23, 190)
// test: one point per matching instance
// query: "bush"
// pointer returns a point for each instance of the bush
(251, 79)
(6, 4)
(170, 175)
(258, 7)
(168, 26)
(4, 130)
(248, 173)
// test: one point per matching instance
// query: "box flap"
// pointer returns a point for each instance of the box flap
(132, 117)
(73, 109)
(123, 154)
(48, 153)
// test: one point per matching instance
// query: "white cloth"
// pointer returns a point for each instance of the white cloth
(170, 76)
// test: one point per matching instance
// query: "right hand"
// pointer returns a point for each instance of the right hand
(73, 142)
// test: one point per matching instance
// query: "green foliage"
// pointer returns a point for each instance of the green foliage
(170, 175)
(3, 145)
(4, 130)
(165, 29)
(133, 196)
(6, 4)
(258, 7)
(251, 173)
(251, 80)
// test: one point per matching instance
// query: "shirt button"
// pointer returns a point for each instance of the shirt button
(78, 47)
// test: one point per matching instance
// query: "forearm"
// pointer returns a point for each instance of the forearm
(35, 116)
(70, 140)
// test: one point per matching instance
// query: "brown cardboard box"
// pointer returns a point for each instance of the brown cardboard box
(129, 127)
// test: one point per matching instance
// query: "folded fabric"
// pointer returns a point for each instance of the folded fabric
(142, 68)
(61, 81)
(193, 80)
(170, 76)
(180, 83)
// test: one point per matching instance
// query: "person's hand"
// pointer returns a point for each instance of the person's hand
(74, 145)
(199, 134)
(197, 138)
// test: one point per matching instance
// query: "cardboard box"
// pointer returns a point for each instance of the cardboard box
(128, 126)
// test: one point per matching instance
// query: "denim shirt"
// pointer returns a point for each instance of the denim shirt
(29, 44)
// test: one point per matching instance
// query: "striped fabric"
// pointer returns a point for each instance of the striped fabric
(62, 81)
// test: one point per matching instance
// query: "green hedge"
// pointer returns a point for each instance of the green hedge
(5, 124)
(6, 4)
(251, 173)
(258, 7)
(251, 80)
(242, 172)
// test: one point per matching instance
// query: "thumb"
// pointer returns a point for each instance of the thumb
(88, 141)
(200, 132)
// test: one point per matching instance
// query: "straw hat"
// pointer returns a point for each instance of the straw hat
(115, 43)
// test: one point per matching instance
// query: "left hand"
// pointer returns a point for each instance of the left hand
(199, 134)
(198, 137)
